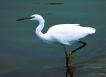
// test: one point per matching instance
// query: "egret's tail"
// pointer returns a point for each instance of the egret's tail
(89, 30)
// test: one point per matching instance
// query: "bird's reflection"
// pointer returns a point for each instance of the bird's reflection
(70, 71)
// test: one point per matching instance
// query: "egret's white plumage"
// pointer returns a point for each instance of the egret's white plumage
(65, 34)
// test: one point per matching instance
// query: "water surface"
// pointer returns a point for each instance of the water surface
(22, 54)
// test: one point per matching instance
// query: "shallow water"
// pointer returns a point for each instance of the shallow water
(22, 54)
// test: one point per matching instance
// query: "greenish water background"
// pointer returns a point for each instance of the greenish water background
(23, 54)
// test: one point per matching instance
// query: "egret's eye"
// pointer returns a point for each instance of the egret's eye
(32, 17)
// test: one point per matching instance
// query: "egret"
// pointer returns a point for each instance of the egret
(62, 34)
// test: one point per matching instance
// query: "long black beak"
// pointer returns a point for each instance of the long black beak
(24, 18)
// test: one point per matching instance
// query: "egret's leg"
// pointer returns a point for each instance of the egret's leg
(66, 56)
(70, 57)
(70, 54)
(84, 44)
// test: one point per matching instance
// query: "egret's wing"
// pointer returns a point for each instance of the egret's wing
(68, 33)
(65, 33)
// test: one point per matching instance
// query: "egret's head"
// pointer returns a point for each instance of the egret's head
(32, 17)
(36, 17)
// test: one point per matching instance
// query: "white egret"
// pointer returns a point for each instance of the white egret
(62, 34)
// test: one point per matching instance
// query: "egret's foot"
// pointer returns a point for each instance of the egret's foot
(70, 57)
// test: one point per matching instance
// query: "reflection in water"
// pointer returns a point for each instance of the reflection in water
(70, 71)
(53, 3)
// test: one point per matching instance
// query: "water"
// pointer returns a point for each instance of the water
(22, 54)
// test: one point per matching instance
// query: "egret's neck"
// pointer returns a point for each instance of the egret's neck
(40, 26)
(39, 29)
